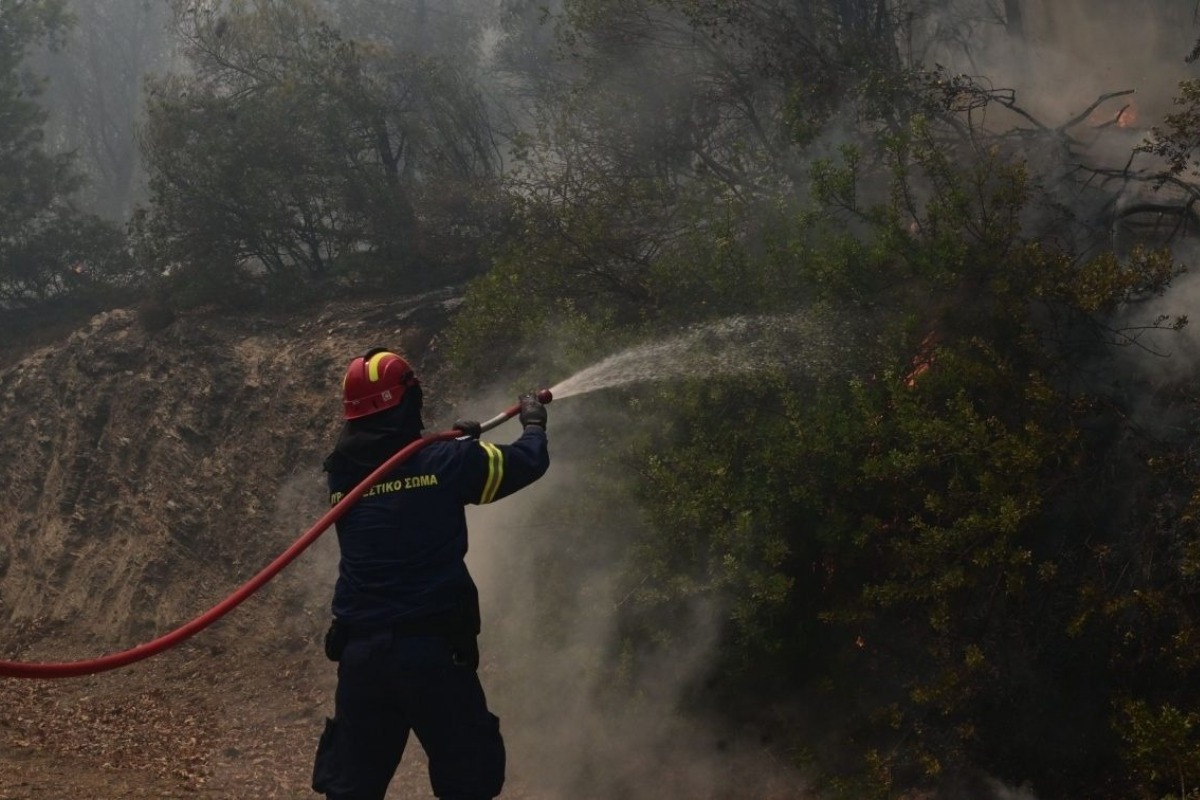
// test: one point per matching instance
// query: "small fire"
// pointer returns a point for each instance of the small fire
(1127, 117)
(923, 360)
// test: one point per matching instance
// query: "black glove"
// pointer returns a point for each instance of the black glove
(469, 426)
(532, 411)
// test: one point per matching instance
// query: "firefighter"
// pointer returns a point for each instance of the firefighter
(405, 609)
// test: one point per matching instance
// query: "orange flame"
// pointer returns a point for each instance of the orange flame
(1127, 117)
(923, 360)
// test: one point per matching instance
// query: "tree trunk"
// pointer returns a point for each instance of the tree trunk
(1013, 21)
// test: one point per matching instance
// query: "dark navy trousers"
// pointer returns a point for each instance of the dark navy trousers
(389, 685)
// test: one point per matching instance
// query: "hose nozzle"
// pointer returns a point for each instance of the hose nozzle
(543, 396)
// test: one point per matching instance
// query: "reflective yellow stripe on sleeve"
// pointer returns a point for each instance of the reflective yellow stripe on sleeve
(495, 472)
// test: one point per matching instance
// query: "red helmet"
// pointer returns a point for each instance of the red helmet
(375, 382)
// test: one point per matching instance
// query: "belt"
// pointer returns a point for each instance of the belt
(445, 623)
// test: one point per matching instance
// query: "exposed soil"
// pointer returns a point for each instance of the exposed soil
(198, 721)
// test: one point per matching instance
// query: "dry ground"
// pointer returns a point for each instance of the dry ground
(202, 721)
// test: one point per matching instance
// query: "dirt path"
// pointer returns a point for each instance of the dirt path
(191, 722)
(216, 722)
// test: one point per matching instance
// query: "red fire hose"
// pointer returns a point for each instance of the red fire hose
(68, 669)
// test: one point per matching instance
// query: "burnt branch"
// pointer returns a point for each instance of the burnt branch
(1087, 112)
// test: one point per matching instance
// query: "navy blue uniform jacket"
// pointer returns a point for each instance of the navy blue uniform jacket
(403, 542)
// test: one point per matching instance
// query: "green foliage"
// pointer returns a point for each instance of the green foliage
(1164, 743)
(975, 559)
(911, 551)
(290, 156)
(49, 251)
(581, 260)
(1177, 139)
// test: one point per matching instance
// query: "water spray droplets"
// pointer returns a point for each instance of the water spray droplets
(804, 342)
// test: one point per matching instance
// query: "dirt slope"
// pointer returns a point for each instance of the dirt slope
(144, 475)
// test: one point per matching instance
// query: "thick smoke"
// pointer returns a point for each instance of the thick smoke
(1063, 57)
(578, 719)
(1066, 53)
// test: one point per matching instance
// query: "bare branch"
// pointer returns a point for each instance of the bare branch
(1087, 112)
